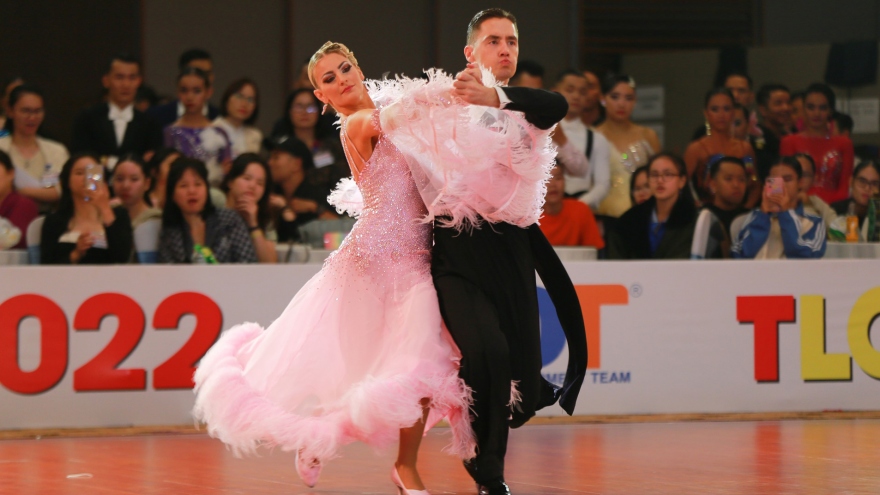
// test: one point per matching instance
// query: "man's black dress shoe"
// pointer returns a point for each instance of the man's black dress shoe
(496, 487)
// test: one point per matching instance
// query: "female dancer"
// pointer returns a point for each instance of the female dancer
(359, 353)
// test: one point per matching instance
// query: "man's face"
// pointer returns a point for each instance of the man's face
(574, 89)
(555, 187)
(778, 109)
(739, 86)
(205, 65)
(122, 82)
(496, 47)
(594, 90)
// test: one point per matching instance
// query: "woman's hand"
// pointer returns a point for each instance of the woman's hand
(246, 206)
(83, 244)
(100, 200)
(277, 202)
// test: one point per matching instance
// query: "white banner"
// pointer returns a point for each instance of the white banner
(114, 346)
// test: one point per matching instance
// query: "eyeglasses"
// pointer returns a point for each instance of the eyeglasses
(664, 176)
(865, 183)
(31, 112)
(305, 108)
(248, 99)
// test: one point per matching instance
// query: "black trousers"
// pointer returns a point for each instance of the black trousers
(485, 281)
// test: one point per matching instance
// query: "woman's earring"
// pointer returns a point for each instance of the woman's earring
(708, 129)
(324, 110)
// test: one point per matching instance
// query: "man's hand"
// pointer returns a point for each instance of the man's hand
(468, 86)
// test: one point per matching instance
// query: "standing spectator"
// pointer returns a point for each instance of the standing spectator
(19, 210)
(639, 188)
(529, 74)
(168, 113)
(774, 105)
(739, 84)
(833, 155)
(193, 230)
(567, 222)
(663, 226)
(631, 144)
(594, 112)
(85, 229)
(114, 128)
(38, 160)
(145, 98)
(798, 116)
(812, 204)
(842, 124)
(131, 183)
(239, 108)
(865, 185)
(192, 134)
(739, 128)
(718, 142)
(248, 186)
(159, 166)
(780, 228)
(8, 86)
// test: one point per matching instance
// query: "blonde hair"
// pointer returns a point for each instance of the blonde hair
(326, 49)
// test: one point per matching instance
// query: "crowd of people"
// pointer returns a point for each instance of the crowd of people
(771, 166)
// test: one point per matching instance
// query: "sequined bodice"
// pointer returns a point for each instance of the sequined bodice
(389, 236)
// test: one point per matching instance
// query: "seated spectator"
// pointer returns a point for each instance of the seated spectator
(593, 113)
(865, 185)
(85, 229)
(38, 160)
(529, 74)
(780, 228)
(718, 142)
(302, 122)
(727, 181)
(639, 188)
(248, 186)
(19, 210)
(297, 200)
(739, 127)
(238, 114)
(193, 230)
(663, 226)
(842, 124)
(8, 86)
(169, 113)
(192, 134)
(833, 155)
(567, 222)
(813, 204)
(774, 105)
(131, 183)
(159, 166)
(114, 128)
(572, 138)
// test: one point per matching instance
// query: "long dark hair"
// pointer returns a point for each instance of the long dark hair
(171, 215)
(239, 165)
(285, 124)
(65, 204)
(717, 91)
(235, 87)
(193, 71)
(612, 80)
(632, 181)
(15, 95)
(145, 169)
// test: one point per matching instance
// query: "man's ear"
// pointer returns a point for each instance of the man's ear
(469, 53)
(105, 80)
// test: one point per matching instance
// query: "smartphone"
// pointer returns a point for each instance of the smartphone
(774, 185)
(94, 175)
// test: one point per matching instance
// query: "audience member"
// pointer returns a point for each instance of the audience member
(159, 166)
(728, 177)
(239, 108)
(192, 134)
(798, 116)
(8, 86)
(170, 112)
(663, 226)
(529, 74)
(813, 204)
(740, 87)
(38, 160)
(631, 144)
(565, 221)
(114, 128)
(780, 228)
(131, 184)
(85, 229)
(593, 113)
(639, 188)
(145, 98)
(302, 122)
(833, 155)
(774, 105)
(297, 200)
(19, 210)
(739, 127)
(303, 81)
(842, 124)
(719, 142)
(865, 185)
(193, 230)
(575, 141)
(248, 186)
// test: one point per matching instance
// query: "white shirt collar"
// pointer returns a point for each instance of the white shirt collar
(122, 114)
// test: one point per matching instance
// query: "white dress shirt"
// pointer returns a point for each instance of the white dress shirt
(120, 117)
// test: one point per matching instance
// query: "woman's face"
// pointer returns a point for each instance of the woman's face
(739, 128)
(193, 93)
(719, 113)
(817, 112)
(129, 183)
(641, 190)
(620, 101)
(729, 184)
(190, 193)
(242, 103)
(340, 83)
(250, 184)
(665, 179)
(304, 111)
(27, 114)
(77, 181)
(282, 165)
(865, 185)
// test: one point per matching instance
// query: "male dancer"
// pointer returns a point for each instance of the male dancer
(485, 278)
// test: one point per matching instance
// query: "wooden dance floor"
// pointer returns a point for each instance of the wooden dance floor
(750, 457)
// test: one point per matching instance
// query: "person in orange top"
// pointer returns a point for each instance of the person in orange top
(567, 221)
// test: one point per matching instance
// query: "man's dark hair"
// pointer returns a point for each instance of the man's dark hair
(843, 121)
(792, 163)
(190, 55)
(485, 15)
(739, 74)
(569, 72)
(529, 67)
(762, 97)
(715, 166)
(126, 58)
(798, 95)
(235, 87)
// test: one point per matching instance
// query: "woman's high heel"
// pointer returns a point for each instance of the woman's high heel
(308, 469)
(402, 489)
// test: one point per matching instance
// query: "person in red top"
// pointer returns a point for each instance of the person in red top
(567, 221)
(19, 210)
(833, 154)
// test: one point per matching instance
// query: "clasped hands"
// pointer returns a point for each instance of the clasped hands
(468, 86)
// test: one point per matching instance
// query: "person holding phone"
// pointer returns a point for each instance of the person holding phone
(85, 229)
(780, 228)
